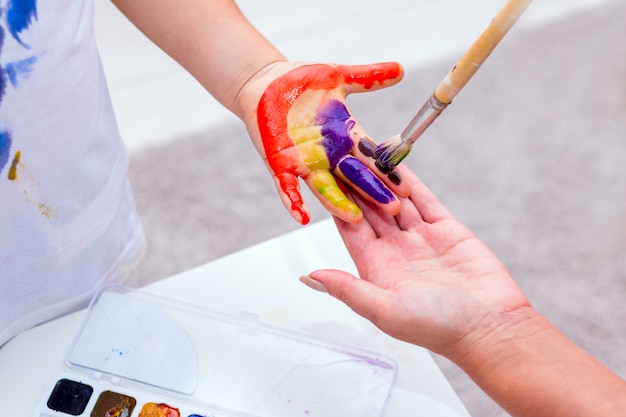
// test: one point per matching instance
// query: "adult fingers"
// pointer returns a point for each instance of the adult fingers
(363, 297)
(379, 221)
(430, 208)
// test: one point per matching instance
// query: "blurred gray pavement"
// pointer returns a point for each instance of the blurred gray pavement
(531, 156)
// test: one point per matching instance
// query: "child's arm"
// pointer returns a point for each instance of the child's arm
(295, 113)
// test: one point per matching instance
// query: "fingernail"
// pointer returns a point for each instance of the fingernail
(311, 283)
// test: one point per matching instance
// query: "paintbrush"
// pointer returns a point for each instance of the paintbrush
(391, 152)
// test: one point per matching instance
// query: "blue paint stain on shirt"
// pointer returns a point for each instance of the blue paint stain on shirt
(20, 69)
(20, 15)
(5, 148)
(3, 80)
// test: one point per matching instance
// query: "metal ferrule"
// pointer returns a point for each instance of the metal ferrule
(424, 117)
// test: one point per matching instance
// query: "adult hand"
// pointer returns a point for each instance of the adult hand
(301, 126)
(425, 278)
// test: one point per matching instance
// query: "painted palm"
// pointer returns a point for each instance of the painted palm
(308, 132)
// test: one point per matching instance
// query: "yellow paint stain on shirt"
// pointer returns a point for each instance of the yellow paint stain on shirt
(13, 169)
(30, 187)
(46, 210)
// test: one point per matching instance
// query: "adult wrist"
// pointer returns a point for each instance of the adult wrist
(496, 340)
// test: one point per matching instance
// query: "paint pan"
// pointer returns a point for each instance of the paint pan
(138, 354)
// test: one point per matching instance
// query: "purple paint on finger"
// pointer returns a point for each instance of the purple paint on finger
(336, 124)
(358, 174)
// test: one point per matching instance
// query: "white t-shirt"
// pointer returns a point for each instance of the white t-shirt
(67, 217)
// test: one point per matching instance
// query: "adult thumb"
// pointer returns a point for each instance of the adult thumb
(363, 297)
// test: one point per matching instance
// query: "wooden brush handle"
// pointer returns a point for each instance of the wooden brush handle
(469, 63)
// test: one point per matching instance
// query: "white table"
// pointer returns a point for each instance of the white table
(262, 280)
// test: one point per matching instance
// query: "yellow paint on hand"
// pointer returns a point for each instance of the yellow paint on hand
(314, 156)
(325, 184)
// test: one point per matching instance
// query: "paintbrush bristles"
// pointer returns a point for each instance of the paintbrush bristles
(391, 152)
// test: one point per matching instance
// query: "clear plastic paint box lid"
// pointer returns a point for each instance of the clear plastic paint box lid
(223, 363)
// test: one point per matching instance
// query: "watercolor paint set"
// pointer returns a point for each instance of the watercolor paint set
(139, 354)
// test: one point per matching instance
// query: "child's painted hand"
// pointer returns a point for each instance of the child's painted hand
(303, 129)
